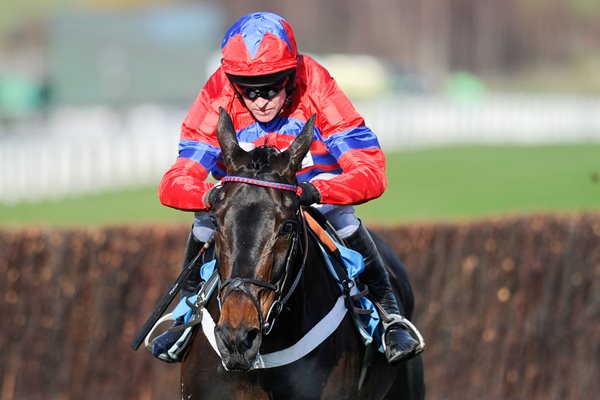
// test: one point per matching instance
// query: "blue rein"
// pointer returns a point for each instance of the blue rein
(258, 182)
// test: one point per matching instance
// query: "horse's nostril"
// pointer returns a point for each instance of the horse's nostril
(223, 335)
(238, 340)
(250, 338)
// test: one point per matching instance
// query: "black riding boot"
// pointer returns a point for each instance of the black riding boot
(163, 345)
(399, 343)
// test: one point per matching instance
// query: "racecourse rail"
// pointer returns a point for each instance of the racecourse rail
(74, 151)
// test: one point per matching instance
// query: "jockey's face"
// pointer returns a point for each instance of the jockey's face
(265, 110)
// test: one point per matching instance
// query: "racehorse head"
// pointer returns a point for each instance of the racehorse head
(257, 228)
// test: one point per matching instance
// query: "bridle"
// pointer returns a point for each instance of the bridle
(258, 182)
(238, 284)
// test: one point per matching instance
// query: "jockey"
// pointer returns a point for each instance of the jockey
(270, 91)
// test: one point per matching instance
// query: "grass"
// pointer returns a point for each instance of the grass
(470, 182)
(135, 206)
(424, 185)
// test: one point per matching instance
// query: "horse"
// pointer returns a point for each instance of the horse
(274, 287)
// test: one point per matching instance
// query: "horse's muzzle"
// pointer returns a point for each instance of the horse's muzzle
(239, 346)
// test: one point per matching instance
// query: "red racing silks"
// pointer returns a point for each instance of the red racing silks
(343, 145)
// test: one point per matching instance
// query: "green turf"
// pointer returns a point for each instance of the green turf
(424, 185)
(125, 207)
(449, 183)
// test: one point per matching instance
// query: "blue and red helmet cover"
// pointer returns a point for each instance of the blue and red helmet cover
(260, 43)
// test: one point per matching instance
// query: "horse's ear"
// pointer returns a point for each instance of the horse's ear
(301, 145)
(230, 148)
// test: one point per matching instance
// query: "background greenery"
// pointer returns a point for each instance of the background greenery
(424, 185)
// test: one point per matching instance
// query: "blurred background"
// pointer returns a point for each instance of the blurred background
(489, 114)
(92, 95)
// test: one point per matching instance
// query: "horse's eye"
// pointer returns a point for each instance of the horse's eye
(287, 227)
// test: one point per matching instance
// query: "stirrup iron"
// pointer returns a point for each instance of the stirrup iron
(392, 319)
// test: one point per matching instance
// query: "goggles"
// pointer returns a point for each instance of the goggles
(268, 92)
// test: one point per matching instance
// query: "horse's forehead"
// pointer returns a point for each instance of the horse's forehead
(254, 200)
(251, 215)
(264, 159)
(264, 152)
(247, 214)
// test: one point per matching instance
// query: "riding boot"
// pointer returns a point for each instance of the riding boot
(163, 345)
(398, 342)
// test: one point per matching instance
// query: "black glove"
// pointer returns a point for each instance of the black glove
(213, 194)
(310, 195)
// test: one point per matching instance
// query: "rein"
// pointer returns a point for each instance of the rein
(240, 284)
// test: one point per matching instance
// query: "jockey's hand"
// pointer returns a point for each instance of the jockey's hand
(212, 195)
(310, 195)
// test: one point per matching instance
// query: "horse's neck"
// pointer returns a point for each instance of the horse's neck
(319, 283)
(312, 299)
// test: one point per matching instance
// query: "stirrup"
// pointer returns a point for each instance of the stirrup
(396, 319)
(173, 353)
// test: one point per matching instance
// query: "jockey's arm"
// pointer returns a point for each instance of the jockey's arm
(184, 187)
(354, 146)
(363, 178)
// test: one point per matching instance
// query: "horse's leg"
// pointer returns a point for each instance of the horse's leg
(409, 382)
(203, 376)
(342, 382)
(199, 370)
(402, 381)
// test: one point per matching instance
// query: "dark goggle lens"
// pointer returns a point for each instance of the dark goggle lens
(266, 93)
